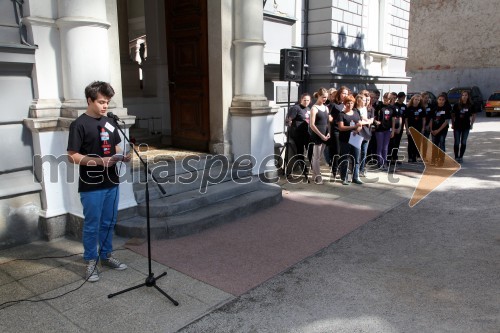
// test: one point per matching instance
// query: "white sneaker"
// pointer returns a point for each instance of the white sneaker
(92, 272)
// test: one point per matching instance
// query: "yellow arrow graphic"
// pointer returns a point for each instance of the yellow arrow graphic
(438, 166)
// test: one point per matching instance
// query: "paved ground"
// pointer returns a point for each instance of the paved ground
(431, 268)
(434, 267)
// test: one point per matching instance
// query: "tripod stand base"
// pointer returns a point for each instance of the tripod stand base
(150, 282)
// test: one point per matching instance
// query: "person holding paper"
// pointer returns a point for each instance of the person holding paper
(366, 111)
(349, 123)
(93, 144)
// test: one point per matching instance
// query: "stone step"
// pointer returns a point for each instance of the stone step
(144, 136)
(193, 221)
(178, 181)
(194, 199)
(164, 163)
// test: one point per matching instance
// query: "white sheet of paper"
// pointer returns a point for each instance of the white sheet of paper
(355, 140)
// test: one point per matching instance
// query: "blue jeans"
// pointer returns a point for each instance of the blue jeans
(439, 141)
(460, 142)
(362, 155)
(349, 154)
(100, 208)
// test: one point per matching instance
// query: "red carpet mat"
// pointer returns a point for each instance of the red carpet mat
(238, 256)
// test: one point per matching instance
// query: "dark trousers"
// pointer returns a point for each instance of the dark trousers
(460, 143)
(334, 151)
(371, 152)
(438, 152)
(349, 158)
(412, 149)
(424, 151)
(394, 146)
(301, 140)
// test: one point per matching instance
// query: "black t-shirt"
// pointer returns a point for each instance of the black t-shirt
(346, 119)
(298, 115)
(400, 109)
(96, 137)
(384, 114)
(439, 115)
(335, 110)
(463, 113)
(428, 110)
(415, 114)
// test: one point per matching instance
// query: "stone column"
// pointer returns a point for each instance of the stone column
(84, 49)
(78, 56)
(47, 85)
(252, 116)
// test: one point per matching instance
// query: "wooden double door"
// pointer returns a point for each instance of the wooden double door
(187, 51)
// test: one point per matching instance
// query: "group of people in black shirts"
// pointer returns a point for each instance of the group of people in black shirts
(350, 130)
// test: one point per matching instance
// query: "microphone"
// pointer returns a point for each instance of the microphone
(113, 116)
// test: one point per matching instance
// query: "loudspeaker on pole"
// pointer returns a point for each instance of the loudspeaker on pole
(292, 65)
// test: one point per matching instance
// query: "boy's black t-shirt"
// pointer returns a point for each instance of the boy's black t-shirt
(347, 119)
(415, 114)
(96, 137)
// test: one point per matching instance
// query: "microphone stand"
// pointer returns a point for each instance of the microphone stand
(151, 279)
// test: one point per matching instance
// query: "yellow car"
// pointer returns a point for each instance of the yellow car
(493, 104)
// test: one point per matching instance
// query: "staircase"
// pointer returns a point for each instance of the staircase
(202, 193)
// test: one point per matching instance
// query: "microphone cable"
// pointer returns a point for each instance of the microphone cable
(29, 300)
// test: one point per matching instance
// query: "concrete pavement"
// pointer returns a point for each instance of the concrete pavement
(431, 268)
(434, 267)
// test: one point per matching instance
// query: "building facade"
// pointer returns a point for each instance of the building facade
(202, 74)
(361, 44)
(454, 44)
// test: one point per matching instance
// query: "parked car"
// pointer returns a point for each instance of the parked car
(432, 97)
(492, 104)
(474, 93)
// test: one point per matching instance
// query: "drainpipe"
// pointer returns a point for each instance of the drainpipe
(306, 33)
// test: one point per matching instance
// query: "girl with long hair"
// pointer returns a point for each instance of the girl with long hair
(438, 125)
(336, 106)
(385, 127)
(463, 117)
(366, 111)
(414, 117)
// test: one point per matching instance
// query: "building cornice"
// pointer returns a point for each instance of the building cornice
(38, 21)
(76, 21)
(361, 78)
(269, 16)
